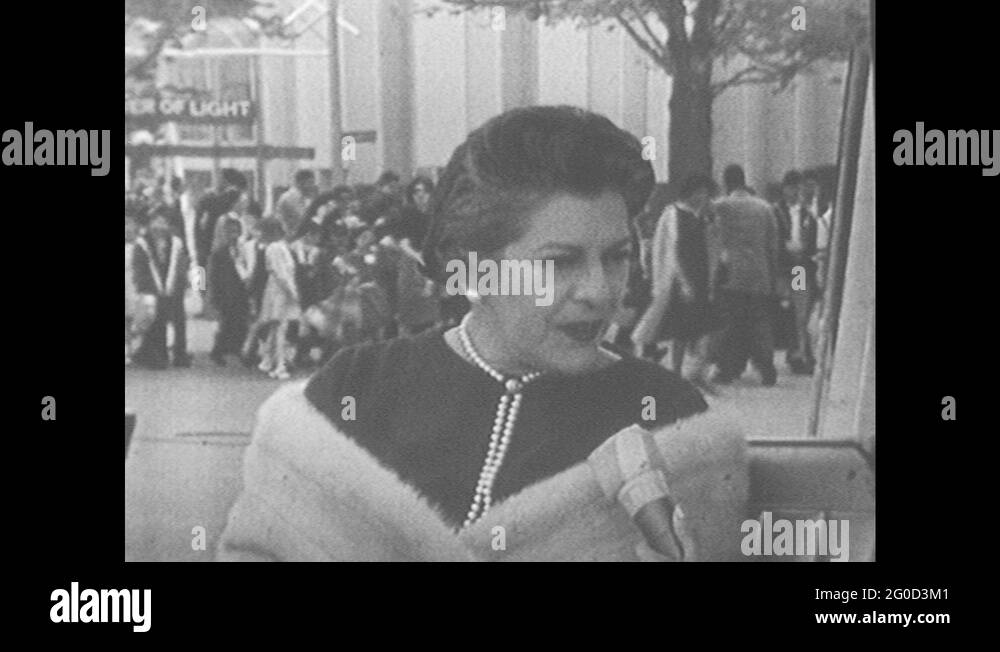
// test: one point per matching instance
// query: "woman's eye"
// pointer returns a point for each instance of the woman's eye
(563, 261)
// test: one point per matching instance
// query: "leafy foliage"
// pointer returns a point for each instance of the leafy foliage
(680, 36)
(152, 25)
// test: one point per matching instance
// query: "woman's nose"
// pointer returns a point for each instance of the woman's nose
(594, 287)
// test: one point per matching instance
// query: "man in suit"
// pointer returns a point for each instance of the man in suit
(744, 242)
(292, 205)
(798, 227)
(214, 205)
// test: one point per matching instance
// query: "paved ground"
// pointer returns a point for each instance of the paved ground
(206, 398)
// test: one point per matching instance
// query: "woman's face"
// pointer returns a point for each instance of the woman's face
(587, 241)
(421, 197)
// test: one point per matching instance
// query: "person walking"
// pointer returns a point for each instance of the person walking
(798, 267)
(744, 244)
(681, 309)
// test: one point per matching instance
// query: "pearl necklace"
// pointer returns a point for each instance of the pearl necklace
(503, 425)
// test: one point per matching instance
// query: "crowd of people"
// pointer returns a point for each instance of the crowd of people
(289, 286)
(723, 279)
(720, 279)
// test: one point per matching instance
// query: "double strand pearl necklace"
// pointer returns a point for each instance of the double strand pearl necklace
(503, 425)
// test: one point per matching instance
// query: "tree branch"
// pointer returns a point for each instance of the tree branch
(657, 56)
(660, 47)
(160, 39)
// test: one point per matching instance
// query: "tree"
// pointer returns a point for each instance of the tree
(152, 25)
(709, 46)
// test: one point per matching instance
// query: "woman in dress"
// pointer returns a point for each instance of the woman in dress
(227, 291)
(280, 304)
(397, 449)
(681, 308)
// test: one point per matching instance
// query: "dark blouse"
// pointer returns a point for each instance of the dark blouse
(426, 413)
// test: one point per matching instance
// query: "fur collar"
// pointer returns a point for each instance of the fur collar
(312, 494)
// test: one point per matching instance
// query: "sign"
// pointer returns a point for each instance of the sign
(143, 111)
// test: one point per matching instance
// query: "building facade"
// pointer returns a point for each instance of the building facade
(412, 85)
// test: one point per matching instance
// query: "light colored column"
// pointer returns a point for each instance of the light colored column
(755, 138)
(562, 65)
(658, 86)
(728, 124)
(439, 101)
(633, 87)
(604, 72)
(518, 62)
(395, 92)
(360, 83)
(482, 67)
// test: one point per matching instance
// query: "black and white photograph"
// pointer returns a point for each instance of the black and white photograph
(520, 280)
(568, 282)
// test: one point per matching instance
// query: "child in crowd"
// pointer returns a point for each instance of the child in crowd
(280, 303)
(306, 252)
(227, 291)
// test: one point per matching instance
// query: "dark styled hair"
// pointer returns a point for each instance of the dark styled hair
(695, 182)
(303, 176)
(387, 177)
(733, 177)
(418, 181)
(515, 161)
(271, 229)
(342, 192)
(792, 178)
(231, 177)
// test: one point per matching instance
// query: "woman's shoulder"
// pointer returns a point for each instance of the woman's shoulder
(369, 369)
(675, 397)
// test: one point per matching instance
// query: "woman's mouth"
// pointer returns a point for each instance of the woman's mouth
(584, 332)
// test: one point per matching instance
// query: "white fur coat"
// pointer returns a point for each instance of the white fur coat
(312, 494)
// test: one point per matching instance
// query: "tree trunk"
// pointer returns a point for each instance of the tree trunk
(690, 123)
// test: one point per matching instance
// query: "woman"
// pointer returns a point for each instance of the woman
(415, 214)
(681, 309)
(280, 304)
(227, 290)
(429, 433)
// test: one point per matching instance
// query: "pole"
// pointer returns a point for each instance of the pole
(849, 150)
(210, 83)
(336, 129)
(258, 94)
